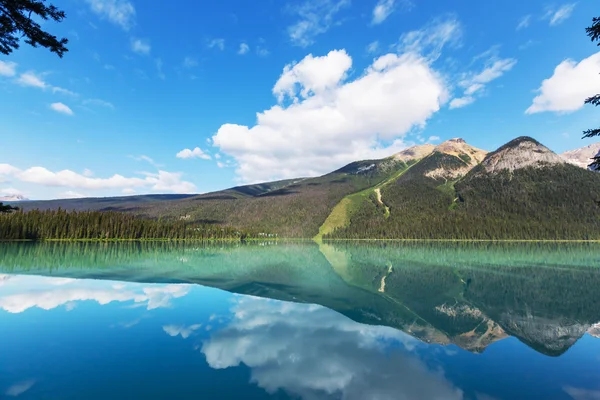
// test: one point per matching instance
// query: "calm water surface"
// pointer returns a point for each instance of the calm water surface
(274, 320)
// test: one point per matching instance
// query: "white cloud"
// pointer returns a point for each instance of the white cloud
(244, 48)
(128, 191)
(70, 194)
(474, 83)
(313, 75)
(524, 22)
(61, 108)
(373, 47)
(140, 46)
(12, 192)
(569, 86)
(431, 39)
(181, 330)
(98, 102)
(162, 181)
(315, 17)
(332, 121)
(119, 12)
(433, 139)
(558, 15)
(8, 68)
(310, 352)
(190, 62)
(195, 153)
(461, 102)
(382, 10)
(31, 79)
(88, 172)
(218, 43)
(50, 293)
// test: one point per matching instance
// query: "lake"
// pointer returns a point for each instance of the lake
(348, 320)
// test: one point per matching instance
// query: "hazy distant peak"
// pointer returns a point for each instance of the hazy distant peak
(519, 153)
(414, 152)
(583, 156)
(16, 197)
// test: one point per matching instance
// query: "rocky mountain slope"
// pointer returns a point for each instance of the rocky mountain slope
(583, 156)
(523, 190)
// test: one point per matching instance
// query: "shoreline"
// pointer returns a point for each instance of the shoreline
(305, 240)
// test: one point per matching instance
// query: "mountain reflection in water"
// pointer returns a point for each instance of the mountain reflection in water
(357, 321)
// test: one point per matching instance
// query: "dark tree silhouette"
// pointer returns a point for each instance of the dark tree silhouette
(7, 208)
(16, 23)
(594, 33)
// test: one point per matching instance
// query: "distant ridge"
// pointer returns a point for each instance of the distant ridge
(583, 156)
(414, 153)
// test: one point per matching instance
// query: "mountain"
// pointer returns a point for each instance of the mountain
(453, 190)
(520, 153)
(583, 156)
(523, 190)
(16, 197)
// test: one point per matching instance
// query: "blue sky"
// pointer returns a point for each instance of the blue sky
(187, 97)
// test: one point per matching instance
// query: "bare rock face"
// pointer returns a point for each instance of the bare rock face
(583, 156)
(467, 155)
(520, 153)
(594, 330)
(414, 153)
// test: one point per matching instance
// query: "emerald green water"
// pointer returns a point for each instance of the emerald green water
(300, 320)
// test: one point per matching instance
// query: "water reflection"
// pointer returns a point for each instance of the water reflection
(79, 338)
(21, 292)
(312, 352)
(469, 294)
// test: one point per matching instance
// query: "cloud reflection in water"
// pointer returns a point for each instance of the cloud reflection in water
(313, 352)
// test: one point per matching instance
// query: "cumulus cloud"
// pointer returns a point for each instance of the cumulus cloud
(555, 16)
(195, 153)
(61, 108)
(244, 48)
(473, 84)
(8, 68)
(312, 352)
(140, 46)
(315, 17)
(119, 12)
(330, 120)
(217, 43)
(47, 293)
(161, 181)
(382, 10)
(569, 86)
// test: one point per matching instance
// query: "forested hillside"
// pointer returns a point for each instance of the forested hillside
(553, 201)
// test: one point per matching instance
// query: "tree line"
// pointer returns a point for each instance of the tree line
(103, 225)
